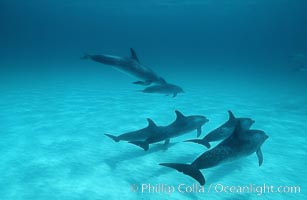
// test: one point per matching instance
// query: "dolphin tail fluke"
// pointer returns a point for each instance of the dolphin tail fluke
(143, 145)
(187, 170)
(85, 56)
(113, 137)
(200, 141)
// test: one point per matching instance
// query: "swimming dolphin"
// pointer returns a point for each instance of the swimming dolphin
(131, 66)
(164, 89)
(240, 144)
(181, 125)
(141, 134)
(224, 131)
(298, 62)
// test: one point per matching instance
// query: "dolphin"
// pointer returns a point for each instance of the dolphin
(298, 62)
(131, 66)
(181, 125)
(300, 67)
(224, 131)
(141, 134)
(241, 143)
(164, 89)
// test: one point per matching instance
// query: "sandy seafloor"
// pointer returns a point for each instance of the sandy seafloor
(52, 144)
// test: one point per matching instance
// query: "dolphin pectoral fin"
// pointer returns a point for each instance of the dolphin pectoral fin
(139, 82)
(166, 142)
(198, 131)
(174, 95)
(143, 145)
(260, 156)
(113, 137)
(142, 82)
(200, 141)
(187, 170)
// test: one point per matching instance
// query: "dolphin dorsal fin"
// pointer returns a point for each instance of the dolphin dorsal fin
(133, 55)
(231, 116)
(163, 81)
(179, 115)
(151, 123)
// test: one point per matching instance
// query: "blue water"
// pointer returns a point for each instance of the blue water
(226, 55)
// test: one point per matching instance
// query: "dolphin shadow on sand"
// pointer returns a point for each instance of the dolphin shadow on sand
(113, 161)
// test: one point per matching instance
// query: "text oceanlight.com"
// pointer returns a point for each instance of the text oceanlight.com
(213, 188)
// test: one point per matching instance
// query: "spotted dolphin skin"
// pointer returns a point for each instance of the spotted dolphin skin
(240, 144)
(224, 131)
(167, 89)
(141, 134)
(181, 125)
(130, 66)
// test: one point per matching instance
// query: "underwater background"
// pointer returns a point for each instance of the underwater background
(227, 55)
